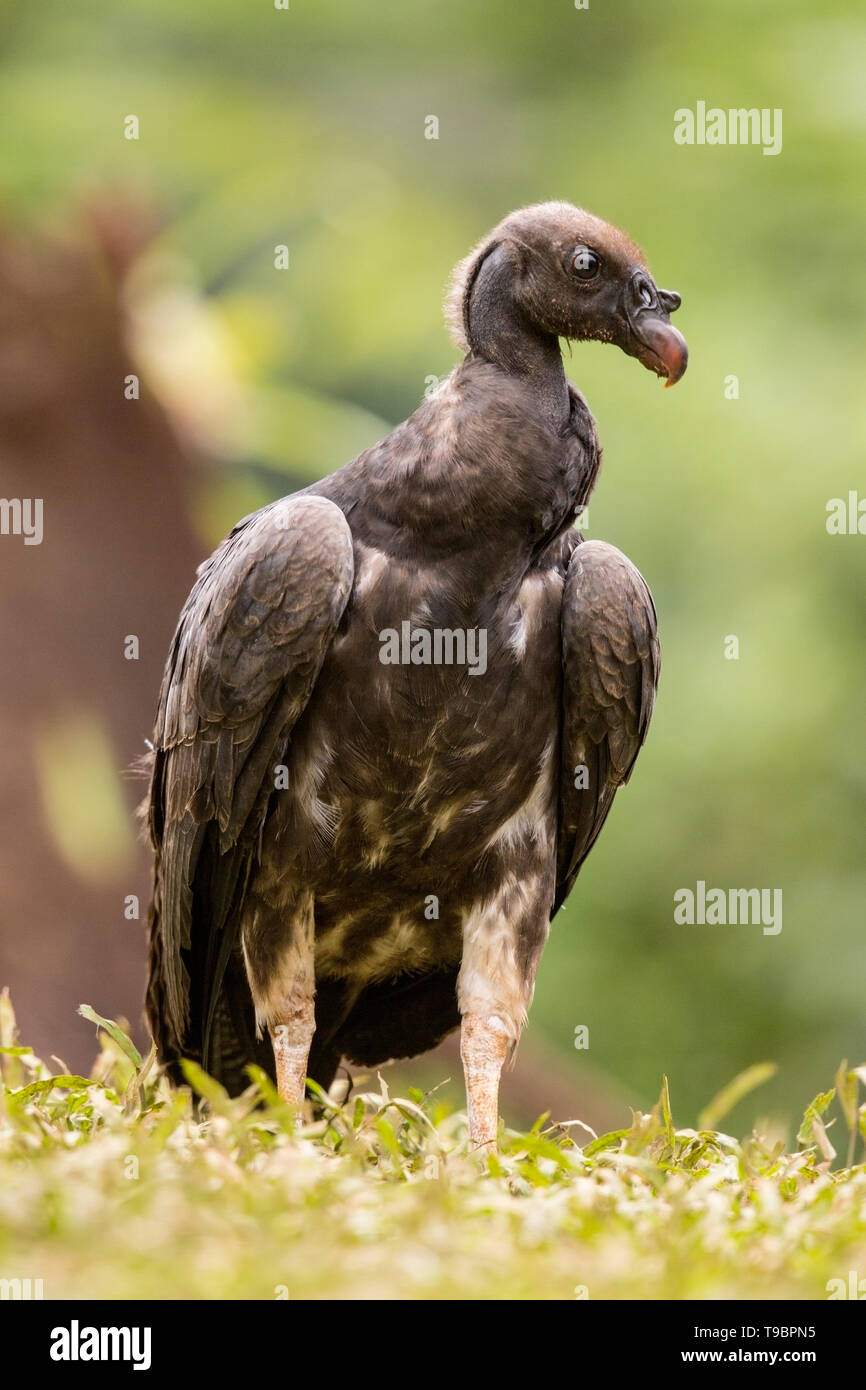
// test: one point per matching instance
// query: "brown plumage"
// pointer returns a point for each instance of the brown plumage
(353, 855)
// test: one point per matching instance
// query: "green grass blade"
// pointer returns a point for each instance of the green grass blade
(115, 1032)
(735, 1091)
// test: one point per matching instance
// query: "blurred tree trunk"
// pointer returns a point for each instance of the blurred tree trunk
(117, 559)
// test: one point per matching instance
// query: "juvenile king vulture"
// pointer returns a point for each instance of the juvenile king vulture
(398, 704)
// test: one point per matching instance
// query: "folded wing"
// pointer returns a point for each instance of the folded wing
(611, 662)
(248, 649)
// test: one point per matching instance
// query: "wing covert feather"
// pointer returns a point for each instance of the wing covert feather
(611, 663)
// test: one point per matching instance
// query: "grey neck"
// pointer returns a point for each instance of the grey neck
(499, 331)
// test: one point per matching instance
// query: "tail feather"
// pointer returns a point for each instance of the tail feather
(219, 1029)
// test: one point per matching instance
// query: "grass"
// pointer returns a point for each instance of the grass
(119, 1186)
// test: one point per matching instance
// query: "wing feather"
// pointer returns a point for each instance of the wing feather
(611, 663)
(248, 649)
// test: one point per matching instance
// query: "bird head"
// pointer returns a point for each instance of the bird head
(568, 274)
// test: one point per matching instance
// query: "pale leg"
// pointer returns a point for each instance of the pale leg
(291, 1043)
(283, 985)
(502, 940)
(484, 1046)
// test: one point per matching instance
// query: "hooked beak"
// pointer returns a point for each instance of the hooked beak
(653, 340)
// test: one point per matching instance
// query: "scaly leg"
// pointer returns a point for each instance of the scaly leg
(291, 1040)
(502, 940)
(484, 1046)
(279, 951)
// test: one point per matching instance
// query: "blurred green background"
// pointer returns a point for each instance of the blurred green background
(306, 127)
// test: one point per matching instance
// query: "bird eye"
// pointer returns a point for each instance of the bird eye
(646, 295)
(585, 263)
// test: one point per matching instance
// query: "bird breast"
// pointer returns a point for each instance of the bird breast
(415, 789)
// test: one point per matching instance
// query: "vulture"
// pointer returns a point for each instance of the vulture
(398, 704)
